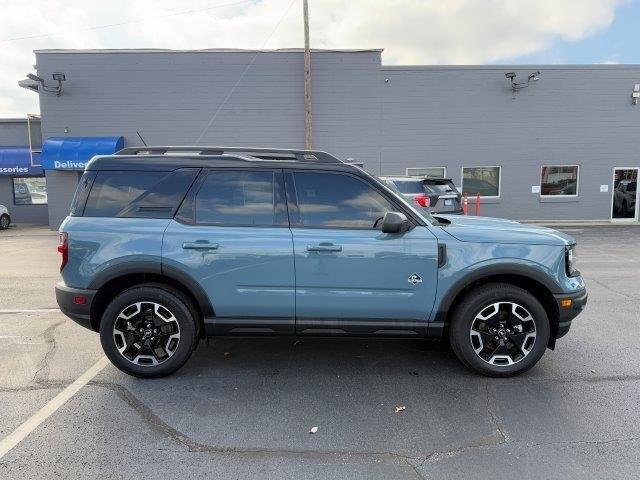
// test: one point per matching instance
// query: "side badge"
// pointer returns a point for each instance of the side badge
(414, 278)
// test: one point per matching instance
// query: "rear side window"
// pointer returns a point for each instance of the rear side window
(138, 194)
(237, 197)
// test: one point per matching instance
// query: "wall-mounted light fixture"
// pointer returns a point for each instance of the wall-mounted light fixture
(59, 77)
(515, 86)
(636, 93)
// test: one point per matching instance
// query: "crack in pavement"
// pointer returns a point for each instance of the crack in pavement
(42, 371)
(161, 427)
(499, 437)
(607, 287)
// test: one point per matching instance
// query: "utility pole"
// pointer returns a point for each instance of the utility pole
(308, 123)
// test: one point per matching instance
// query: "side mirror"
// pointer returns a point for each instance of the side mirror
(395, 222)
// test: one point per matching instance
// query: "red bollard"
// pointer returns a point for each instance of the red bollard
(465, 203)
(478, 204)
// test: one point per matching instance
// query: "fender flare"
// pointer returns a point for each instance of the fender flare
(155, 267)
(521, 270)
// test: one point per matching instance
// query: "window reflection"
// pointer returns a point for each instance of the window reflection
(337, 200)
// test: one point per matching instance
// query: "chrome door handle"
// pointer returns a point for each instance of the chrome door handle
(324, 247)
(200, 245)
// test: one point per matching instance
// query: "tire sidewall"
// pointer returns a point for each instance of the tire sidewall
(165, 298)
(479, 300)
(4, 218)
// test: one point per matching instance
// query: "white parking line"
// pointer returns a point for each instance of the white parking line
(20, 433)
(29, 310)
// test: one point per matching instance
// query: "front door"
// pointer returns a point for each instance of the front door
(625, 194)
(236, 244)
(350, 277)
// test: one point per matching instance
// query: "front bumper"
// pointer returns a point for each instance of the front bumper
(71, 304)
(569, 312)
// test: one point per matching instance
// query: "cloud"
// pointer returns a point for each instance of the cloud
(410, 31)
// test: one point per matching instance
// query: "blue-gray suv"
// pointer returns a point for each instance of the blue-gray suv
(165, 246)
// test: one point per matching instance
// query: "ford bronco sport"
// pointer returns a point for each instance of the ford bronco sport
(167, 245)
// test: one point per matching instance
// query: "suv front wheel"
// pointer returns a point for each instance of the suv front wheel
(148, 331)
(499, 330)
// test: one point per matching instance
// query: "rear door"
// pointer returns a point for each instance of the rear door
(232, 237)
(350, 277)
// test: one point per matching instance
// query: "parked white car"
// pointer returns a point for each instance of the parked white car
(5, 218)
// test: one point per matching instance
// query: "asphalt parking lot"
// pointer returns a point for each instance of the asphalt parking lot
(243, 408)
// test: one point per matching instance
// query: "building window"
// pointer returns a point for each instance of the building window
(481, 180)
(437, 172)
(559, 180)
(29, 191)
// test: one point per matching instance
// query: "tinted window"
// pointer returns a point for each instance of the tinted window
(482, 180)
(409, 186)
(336, 200)
(440, 186)
(561, 180)
(237, 198)
(138, 194)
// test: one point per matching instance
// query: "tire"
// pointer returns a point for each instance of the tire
(5, 221)
(487, 318)
(168, 335)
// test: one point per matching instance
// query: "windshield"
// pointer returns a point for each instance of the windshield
(422, 213)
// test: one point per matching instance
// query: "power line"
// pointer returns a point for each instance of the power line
(226, 98)
(128, 22)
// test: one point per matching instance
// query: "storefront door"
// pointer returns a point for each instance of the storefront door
(625, 195)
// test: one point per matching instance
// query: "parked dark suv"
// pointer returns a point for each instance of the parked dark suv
(437, 195)
(167, 245)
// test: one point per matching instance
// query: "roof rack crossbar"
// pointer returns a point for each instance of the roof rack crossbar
(261, 153)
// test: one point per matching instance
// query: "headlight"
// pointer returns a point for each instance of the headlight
(570, 256)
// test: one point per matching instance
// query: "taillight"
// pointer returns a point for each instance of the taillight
(63, 248)
(423, 201)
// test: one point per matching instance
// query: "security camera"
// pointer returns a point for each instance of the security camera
(35, 78)
(535, 76)
(510, 75)
(59, 76)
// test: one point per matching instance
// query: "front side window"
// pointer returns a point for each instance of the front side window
(481, 180)
(238, 197)
(29, 191)
(559, 180)
(332, 200)
(434, 172)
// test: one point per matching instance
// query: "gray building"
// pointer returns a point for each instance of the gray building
(546, 152)
(22, 183)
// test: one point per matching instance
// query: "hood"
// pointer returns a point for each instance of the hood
(499, 230)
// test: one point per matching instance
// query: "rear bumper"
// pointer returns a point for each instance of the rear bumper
(568, 313)
(70, 302)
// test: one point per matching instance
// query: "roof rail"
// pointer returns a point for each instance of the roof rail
(261, 153)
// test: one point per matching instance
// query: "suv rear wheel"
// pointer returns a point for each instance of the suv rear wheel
(4, 221)
(499, 330)
(148, 331)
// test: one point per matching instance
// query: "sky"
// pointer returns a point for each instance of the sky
(410, 31)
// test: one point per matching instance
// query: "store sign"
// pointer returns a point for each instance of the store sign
(64, 165)
(17, 162)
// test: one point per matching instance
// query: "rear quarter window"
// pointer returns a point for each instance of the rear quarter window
(138, 194)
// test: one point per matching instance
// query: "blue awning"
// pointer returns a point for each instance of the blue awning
(73, 153)
(16, 162)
